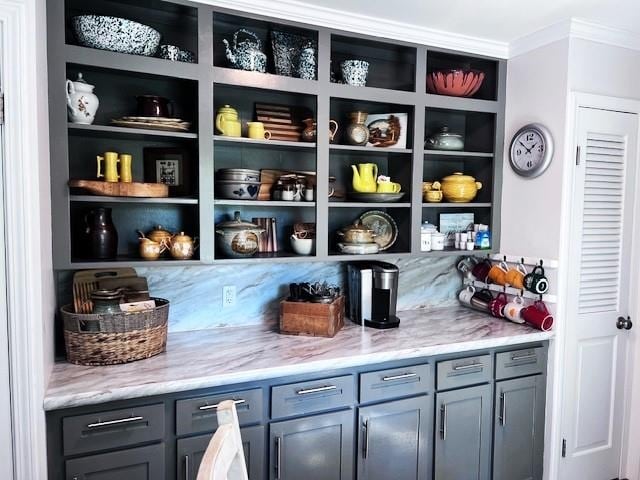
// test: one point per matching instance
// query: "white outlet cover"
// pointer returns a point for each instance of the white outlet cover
(228, 296)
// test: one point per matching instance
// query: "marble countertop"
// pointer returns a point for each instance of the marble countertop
(222, 356)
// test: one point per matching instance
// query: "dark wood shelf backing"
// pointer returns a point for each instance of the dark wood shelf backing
(264, 203)
(280, 144)
(157, 201)
(456, 153)
(129, 63)
(267, 81)
(113, 131)
(372, 94)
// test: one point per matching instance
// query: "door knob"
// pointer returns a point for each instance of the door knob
(624, 323)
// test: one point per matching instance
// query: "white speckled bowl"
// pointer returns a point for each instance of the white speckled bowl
(115, 34)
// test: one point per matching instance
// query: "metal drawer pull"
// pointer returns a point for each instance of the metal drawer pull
(115, 422)
(468, 367)
(399, 377)
(278, 458)
(443, 421)
(186, 467)
(326, 388)
(216, 405)
(365, 441)
(503, 409)
(528, 356)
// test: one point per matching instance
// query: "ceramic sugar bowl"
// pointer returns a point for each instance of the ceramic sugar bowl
(82, 103)
(459, 188)
(182, 246)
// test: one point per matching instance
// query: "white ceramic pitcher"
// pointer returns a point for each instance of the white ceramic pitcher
(82, 103)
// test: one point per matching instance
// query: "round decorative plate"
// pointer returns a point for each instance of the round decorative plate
(383, 225)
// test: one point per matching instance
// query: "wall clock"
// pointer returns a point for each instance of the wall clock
(531, 150)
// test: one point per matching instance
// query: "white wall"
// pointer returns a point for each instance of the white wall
(536, 92)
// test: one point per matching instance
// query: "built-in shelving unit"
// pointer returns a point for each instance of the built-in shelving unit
(396, 84)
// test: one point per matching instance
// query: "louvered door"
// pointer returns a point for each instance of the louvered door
(599, 273)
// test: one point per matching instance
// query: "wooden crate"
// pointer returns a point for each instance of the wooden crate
(314, 319)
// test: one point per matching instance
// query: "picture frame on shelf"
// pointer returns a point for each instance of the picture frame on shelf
(383, 122)
(452, 223)
(170, 166)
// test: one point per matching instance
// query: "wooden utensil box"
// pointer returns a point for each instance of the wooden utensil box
(314, 319)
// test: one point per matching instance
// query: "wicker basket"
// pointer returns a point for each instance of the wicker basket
(108, 339)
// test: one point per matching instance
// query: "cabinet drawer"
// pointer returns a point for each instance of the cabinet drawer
(518, 363)
(396, 382)
(145, 463)
(464, 371)
(112, 429)
(314, 396)
(195, 415)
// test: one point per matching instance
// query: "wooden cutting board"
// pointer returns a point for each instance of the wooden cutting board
(120, 189)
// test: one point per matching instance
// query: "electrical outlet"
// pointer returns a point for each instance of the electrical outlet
(228, 296)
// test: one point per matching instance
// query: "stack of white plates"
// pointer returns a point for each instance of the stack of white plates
(358, 248)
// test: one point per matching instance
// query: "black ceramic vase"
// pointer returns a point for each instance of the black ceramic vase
(102, 237)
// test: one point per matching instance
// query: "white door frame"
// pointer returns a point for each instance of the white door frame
(28, 246)
(630, 467)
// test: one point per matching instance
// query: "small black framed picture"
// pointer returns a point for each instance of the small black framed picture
(169, 166)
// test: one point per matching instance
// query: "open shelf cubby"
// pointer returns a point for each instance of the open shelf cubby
(395, 84)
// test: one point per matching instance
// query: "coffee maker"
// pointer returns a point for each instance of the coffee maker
(373, 292)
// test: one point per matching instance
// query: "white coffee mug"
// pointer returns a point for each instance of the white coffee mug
(466, 295)
(513, 308)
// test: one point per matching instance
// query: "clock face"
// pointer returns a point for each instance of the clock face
(531, 150)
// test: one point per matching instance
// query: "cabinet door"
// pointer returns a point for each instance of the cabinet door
(191, 450)
(313, 448)
(463, 434)
(393, 440)
(145, 463)
(519, 429)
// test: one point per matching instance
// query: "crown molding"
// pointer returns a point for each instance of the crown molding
(367, 25)
(572, 29)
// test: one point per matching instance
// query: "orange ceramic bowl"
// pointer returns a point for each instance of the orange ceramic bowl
(457, 83)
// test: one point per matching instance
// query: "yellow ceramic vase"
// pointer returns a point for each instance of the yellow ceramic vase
(459, 188)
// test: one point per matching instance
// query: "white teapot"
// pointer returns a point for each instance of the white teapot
(82, 103)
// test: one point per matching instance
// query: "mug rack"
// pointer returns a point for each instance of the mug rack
(510, 290)
(529, 261)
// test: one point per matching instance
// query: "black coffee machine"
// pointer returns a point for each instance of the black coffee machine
(373, 293)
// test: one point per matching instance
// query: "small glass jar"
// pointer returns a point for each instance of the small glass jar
(106, 301)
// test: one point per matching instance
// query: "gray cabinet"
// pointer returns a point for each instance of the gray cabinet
(145, 463)
(519, 429)
(463, 434)
(191, 450)
(319, 447)
(393, 440)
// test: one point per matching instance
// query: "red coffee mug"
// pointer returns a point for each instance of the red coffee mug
(481, 270)
(538, 316)
(496, 307)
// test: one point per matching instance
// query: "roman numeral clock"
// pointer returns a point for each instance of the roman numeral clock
(531, 150)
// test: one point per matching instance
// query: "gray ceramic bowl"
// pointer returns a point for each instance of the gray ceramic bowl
(115, 34)
(238, 175)
(234, 190)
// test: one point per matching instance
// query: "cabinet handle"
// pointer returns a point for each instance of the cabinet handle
(186, 467)
(503, 409)
(365, 440)
(443, 421)
(399, 377)
(216, 405)
(307, 391)
(278, 458)
(458, 368)
(528, 356)
(115, 422)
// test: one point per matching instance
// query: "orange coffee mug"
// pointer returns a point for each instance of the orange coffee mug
(515, 276)
(498, 274)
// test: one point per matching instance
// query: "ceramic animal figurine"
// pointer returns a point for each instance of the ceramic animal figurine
(246, 54)
(82, 103)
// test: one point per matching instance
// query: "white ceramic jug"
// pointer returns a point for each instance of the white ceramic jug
(82, 103)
